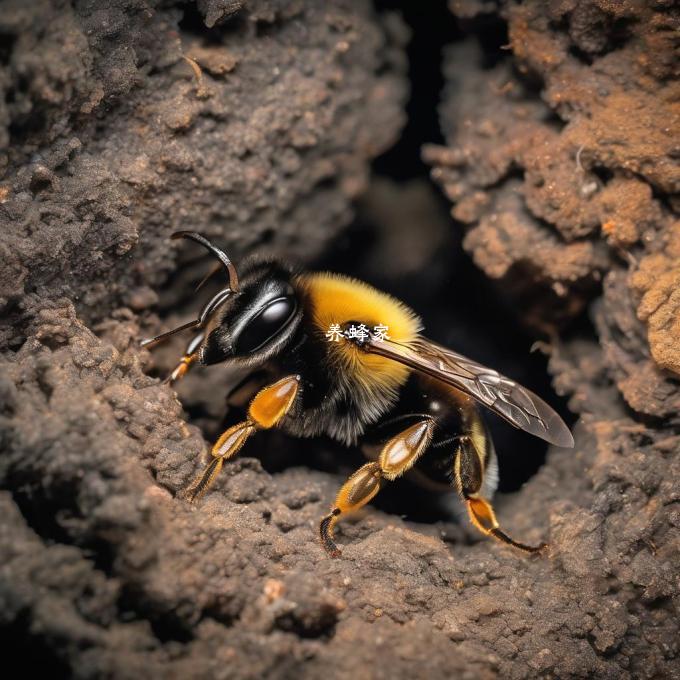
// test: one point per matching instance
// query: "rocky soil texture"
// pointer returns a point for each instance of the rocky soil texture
(255, 122)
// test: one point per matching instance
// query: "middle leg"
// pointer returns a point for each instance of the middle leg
(397, 456)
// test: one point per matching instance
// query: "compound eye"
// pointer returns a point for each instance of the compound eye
(266, 325)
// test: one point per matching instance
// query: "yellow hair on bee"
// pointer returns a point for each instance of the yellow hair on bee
(336, 299)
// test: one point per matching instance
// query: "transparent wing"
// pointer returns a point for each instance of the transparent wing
(518, 405)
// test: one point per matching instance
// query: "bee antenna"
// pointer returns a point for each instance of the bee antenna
(205, 314)
(163, 336)
(217, 252)
(208, 276)
(215, 301)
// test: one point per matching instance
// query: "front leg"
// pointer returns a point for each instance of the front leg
(266, 410)
(190, 357)
(397, 456)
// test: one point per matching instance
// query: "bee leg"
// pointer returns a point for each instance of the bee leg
(469, 477)
(266, 410)
(190, 356)
(396, 457)
(180, 370)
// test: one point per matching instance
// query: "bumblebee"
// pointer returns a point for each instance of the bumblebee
(349, 361)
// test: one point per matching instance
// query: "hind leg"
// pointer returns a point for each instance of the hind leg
(470, 467)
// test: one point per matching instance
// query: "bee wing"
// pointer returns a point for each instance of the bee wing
(518, 405)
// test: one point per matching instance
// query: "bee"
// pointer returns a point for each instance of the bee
(414, 402)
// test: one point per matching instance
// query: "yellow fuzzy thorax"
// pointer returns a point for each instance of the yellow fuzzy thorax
(336, 299)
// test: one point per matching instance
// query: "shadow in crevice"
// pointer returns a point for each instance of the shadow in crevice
(34, 653)
(460, 307)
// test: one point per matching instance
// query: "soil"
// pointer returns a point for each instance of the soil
(255, 122)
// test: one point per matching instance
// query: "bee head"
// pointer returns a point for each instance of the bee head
(249, 320)
(254, 323)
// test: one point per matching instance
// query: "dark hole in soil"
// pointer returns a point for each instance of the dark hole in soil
(432, 27)
(479, 320)
(34, 654)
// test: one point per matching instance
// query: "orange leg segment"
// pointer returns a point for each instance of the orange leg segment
(398, 455)
(267, 409)
(468, 473)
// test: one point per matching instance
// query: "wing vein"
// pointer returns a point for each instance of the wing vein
(518, 405)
